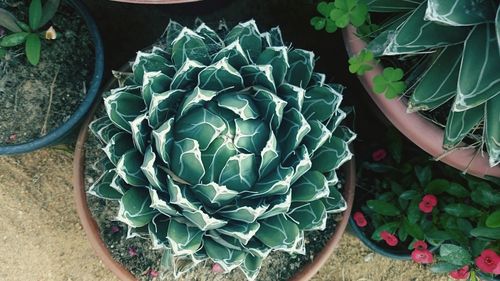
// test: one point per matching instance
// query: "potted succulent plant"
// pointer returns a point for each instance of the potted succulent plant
(430, 51)
(222, 149)
(415, 208)
(51, 64)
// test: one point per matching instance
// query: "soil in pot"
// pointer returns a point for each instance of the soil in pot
(136, 255)
(34, 100)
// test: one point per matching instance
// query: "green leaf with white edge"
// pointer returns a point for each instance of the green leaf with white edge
(250, 135)
(189, 45)
(240, 230)
(300, 162)
(437, 186)
(336, 119)
(320, 103)
(318, 80)
(257, 248)
(240, 172)
(443, 267)
(33, 48)
(486, 232)
(258, 75)
(389, 82)
(245, 213)
(214, 195)
(383, 208)
(186, 160)
(301, 67)
(277, 57)
(454, 254)
(196, 99)
(160, 201)
(392, 6)
(187, 76)
(129, 168)
(35, 14)
(251, 266)
(210, 37)
(13, 40)
(270, 158)
(220, 76)
(184, 239)
(8, 20)
(227, 258)
(497, 27)
(344, 133)
(163, 138)
(478, 80)
(312, 186)
(203, 220)
(331, 155)
(104, 129)
(275, 183)
(49, 9)
(156, 176)
(416, 35)
(292, 95)
(309, 215)
(140, 132)
(102, 189)
(317, 137)
(215, 158)
(459, 124)
(158, 228)
(248, 36)
(439, 83)
(278, 205)
(150, 62)
(492, 131)
(235, 55)
(271, 107)
(201, 125)
(493, 220)
(241, 104)
(272, 38)
(123, 107)
(154, 83)
(292, 131)
(278, 232)
(458, 13)
(162, 106)
(181, 196)
(462, 210)
(334, 203)
(134, 208)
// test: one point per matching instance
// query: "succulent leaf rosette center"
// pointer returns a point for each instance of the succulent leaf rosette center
(223, 148)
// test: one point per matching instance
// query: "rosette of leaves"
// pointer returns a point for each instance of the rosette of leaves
(460, 41)
(223, 148)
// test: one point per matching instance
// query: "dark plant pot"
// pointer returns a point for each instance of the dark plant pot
(93, 233)
(488, 277)
(418, 129)
(58, 135)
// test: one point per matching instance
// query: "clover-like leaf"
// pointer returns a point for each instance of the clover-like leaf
(349, 12)
(362, 62)
(389, 82)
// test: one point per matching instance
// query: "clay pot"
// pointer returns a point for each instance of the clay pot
(156, 1)
(93, 234)
(418, 129)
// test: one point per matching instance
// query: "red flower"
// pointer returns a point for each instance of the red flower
(389, 238)
(460, 274)
(489, 262)
(360, 219)
(428, 203)
(216, 268)
(420, 245)
(422, 256)
(379, 155)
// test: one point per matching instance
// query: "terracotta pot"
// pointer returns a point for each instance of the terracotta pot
(418, 129)
(156, 1)
(93, 234)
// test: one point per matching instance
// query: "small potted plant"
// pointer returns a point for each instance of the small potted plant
(51, 64)
(416, 208)
(443, 61)
(221, 149)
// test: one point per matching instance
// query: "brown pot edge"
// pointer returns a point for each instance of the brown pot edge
(419, 130)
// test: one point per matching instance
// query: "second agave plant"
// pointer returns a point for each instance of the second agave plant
(224, 148)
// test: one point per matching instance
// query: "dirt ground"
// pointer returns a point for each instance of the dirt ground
(41, 237)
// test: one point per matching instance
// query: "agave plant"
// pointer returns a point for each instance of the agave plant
(223, 148)
(462, 40)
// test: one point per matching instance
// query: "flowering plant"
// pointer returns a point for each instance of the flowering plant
(416, 204)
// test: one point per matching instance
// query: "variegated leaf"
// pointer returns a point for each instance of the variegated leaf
(200, 125)
(257, 248)
(118, 145)
(150, 62)
(278, 232)
(336, 119)
(226, 257)
(134, 208)
(210, 38)
(258, 75)
(331, 155)
(129, 168)
(251, 266)
(273, 38)
(248, 35)
(171, 32)
(300, 162)
(157, 177)
(277, 183)
(459, 124)
(270, 107)
(104, 129)
(247, 213)
(312, 186)
(492, 129)
(215, 157)
(250, 135)
(292, 95)
(334, 203)
(196, 99)
(123, 107)
(102, 189)
(203, 220)
(240, 172)
(278, 205)
(386, 6)
(141, 133)
(189, 45)
(277, 57)
(219, 77)
(301, 67)
(183, 239)
(154, 83)
(163, 140)
(214, 195)
(240, 230)
(235, 55)
(460, 12)
(309, 216)
(239, 103)
(292, 130)
(320, 103)
(318, 136)
(160, 201)
(181, 196)
(158, 228)
(345, 134)
(186, 161)
(187, 76)
(497, 27)
(317, 80)
(163, 108)
(270, 157)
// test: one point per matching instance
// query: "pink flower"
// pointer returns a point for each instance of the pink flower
(132, 251)
(217, 268)
(153, 273)
(460, 274)
(379, 155)
(420, 245)
(428, 203)
(422, 256)
(489, 262)
(389, 238)
(360, 219)
(115, 229)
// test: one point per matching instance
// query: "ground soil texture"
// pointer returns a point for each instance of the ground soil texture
(43, 240)
(66, 66)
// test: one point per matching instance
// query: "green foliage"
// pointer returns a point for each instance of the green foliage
(389, 82)
(362, 62)
(224, 148)
(23, 33)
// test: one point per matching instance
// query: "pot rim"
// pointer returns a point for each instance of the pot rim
(93, 234)
(56, 135)
(419, 130)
